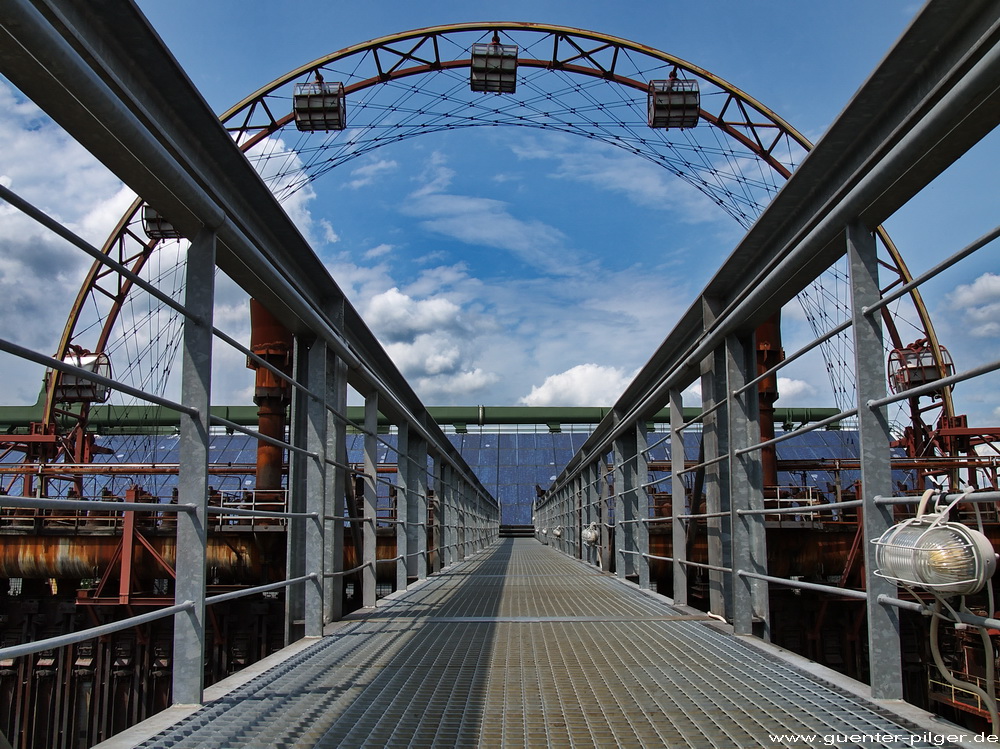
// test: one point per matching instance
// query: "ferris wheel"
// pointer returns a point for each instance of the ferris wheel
(337, 108)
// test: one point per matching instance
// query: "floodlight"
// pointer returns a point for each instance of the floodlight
(930, 552)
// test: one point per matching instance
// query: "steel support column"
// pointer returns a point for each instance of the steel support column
(295, 561)
(625, 504)
(416, 519)
(192, 479)
(750, 596)
(370, 501)
(604, 508)
(447, 506)
(315, 488)
(437, 511)
(336, 498)
(678, 499)
(587, 509)
(404, 482)
(715, 438)
(641, 505)
(876, 475)
(461, 518)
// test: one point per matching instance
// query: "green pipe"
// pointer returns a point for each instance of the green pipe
(16, 419)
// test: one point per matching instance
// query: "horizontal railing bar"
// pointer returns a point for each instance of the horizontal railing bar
(247, 512)
(53, 363)
(42, 503)
(56, 228)
(234, 594)
(341, 573)
(702, 565)
(262, 437)
(346, 518)
(698, 418)
(964, 616)
(932, 272)
(802, 509)
(831, 589)
(656, 481)
(986, 496)
(266, 364)
(936, 385)
(811, 427)
(797, 355)
(51, 643)
(704, 464)
(658, 442)
(703, 515)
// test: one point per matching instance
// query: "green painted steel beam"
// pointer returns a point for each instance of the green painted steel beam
(143, 418)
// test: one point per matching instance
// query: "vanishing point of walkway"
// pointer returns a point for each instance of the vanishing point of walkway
(521, 646)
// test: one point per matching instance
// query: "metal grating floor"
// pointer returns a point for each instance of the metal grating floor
(523, 647)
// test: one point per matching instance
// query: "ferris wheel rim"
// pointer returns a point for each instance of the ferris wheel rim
(738, 99)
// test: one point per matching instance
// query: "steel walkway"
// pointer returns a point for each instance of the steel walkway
(524, 647)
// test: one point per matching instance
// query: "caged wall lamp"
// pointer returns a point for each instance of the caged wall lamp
(930, 552)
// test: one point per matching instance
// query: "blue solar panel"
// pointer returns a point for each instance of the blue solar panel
(509, 465)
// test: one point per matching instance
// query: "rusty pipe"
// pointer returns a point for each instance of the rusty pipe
(79, 557)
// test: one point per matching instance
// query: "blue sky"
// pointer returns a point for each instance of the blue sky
(508, 265)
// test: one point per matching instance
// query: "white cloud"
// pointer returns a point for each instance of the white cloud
(795, 391)
(434, 341)
(979, 301)
(645, 184)
(691, 396)
(429, 354)
(984, 290)
(485, 222)
(41, 274)
(582, 385)
(456, 388)
(329, 234)
(378, 251)
(367, 173)
(394, 316)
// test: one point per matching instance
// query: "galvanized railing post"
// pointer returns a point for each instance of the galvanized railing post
(416, 520)
(876, 476)
(437, 511)
(447, 515)
(678, 495)
(587, 510)
(463, 500)
(641, 505)
(404, 498)
(315, 470)
(336, 497)
(192, 480)
(295, 541)
(715, 439)
(368, 555)
(624, 494)
(750, 596)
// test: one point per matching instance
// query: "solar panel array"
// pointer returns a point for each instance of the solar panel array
(509, 464)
